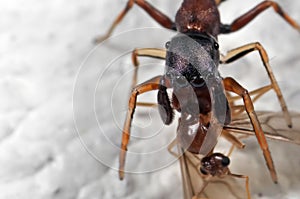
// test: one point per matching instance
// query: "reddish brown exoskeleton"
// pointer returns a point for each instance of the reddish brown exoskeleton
(192, 59)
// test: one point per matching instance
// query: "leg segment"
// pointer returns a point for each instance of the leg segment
(238, 109)
(243, 50)
(250, 15)
(192, 180)
(204, 185)
(247, 183)
(149, 85)
(165, 109)
(233, 140)
(188, 188)
(158, 16)
(116, 22)
(145, 52)
(231, 85)
(171, 146)
(255, 95)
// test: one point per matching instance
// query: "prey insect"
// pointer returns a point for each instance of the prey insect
(192, 59)
(197, 172)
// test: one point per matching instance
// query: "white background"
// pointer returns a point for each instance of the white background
(43, 47)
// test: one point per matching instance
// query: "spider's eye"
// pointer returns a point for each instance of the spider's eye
(216, 45)
(167, 45)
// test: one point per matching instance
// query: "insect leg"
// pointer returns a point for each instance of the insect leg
(255, 95)
(149, 85)
(165, 109)
(231, 85)
(171, 146)
(243, 50)
(192, 180)
(158, 16)
(246, 182)
(233, 140)
(145, 52)
(251, 14)
(202, 188)
(188, 188)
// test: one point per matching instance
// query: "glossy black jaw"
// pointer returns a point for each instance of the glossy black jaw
(164, 105)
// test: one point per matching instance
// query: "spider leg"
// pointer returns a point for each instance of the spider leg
(243, 50)
(150, 85)
(231, 85)
(254, 12)
(158, 16)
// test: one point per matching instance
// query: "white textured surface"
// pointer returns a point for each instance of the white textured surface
(43, 44)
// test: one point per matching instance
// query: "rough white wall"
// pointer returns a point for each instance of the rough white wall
(43, 47)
